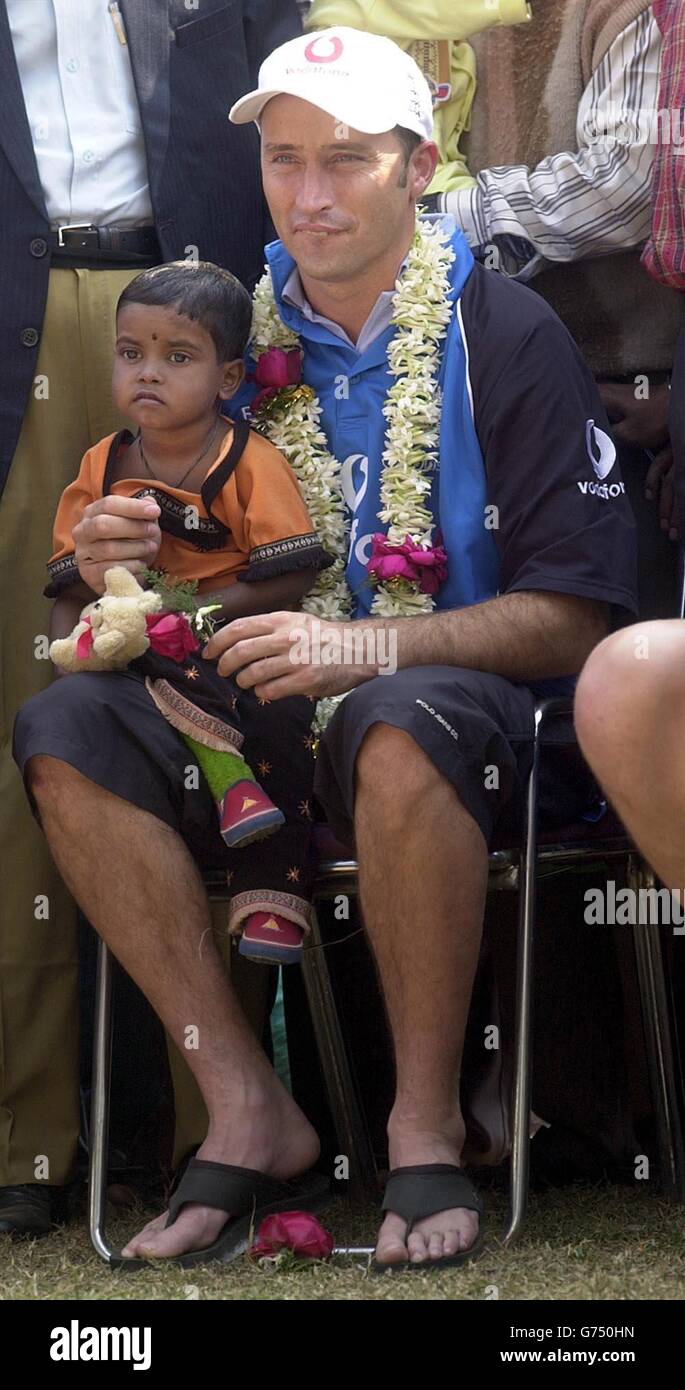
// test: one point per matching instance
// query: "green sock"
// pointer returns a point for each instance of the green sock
(221, 769)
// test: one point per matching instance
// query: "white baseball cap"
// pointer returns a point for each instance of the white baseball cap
(362, 80)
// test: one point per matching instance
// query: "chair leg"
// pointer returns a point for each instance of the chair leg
(522, 1086)
(348, 1119)
(657, 1022)
(99, 1107)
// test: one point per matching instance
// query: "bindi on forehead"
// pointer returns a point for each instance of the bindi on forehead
(154, 337)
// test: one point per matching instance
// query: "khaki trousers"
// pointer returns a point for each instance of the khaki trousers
(69, 409)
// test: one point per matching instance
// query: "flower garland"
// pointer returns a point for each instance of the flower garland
(405, 566)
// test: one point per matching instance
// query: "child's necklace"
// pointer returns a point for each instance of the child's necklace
(212, 436)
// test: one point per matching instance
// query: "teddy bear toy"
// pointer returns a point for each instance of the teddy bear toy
(121, 626)
(112, 631)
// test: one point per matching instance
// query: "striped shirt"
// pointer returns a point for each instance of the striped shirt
(664, 254)
(585, 202)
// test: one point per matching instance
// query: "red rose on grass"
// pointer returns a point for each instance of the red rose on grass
(171, 635)
(293, 1230)
(426, 567)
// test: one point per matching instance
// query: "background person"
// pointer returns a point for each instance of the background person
(524, 433)
(664, 254)
(115, 121)
(630, 716)
(434, 33)
(630, 712)
(562, 147)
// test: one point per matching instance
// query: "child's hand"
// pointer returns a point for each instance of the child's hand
(116, 531)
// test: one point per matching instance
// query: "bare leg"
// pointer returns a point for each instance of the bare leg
(423, 878)
(630, 718)
(139, 887)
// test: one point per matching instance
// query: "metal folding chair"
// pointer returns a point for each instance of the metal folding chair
(511, 869)
(516, 868)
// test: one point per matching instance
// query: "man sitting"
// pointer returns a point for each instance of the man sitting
(485, 527)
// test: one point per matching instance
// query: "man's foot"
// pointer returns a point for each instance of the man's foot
(26, 1210)
(273, 939)
(434, 1237)
(271, 1136)
(246, 814)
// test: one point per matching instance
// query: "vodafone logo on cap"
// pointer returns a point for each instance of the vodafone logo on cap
(332, 48)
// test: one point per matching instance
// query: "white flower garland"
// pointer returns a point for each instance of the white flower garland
(421, 312)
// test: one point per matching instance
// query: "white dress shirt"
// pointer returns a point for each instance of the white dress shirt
(595, 199)
(83, 111)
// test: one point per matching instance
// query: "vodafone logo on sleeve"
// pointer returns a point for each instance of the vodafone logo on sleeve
(601, 452)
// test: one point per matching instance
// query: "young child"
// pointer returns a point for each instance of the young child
(231, 518)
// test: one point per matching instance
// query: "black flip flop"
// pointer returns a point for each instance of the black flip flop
(420, 1191)
(247, 1195)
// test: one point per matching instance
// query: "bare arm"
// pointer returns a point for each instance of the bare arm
(591, 200)
(522, 636)
(112, 531)
(66, 611)
(116, 531)
(263, 596)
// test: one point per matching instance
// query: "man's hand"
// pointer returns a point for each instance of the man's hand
(640, 423)
(660, 485)
(644, 425)
(116, 531)
(278, 654)
(521, 636)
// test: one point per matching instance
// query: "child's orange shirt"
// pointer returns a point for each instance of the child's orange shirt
(249, 521)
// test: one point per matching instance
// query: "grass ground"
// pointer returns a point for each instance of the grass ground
(580, 1243)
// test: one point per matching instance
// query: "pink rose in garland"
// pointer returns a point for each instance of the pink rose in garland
(424, 566)
(171, 635)
(293, 1230)
(276, 368)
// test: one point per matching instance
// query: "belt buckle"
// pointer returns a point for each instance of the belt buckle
(73, 227)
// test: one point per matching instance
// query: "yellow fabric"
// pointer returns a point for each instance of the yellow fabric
(422, 30)
(418, 19)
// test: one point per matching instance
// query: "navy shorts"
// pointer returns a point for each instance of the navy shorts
(106, 725)
(475, 727)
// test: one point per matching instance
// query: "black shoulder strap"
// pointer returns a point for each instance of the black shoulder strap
(120, 441)
(212, 485)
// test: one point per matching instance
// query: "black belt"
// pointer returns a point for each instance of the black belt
(105, 243)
